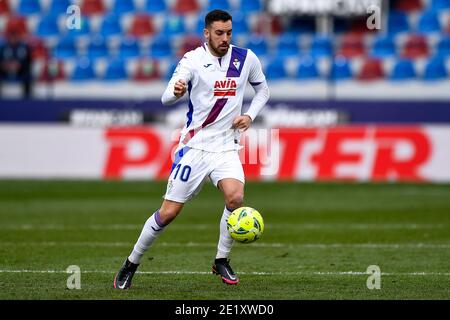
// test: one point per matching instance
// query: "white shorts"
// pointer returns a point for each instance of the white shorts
(193, 167)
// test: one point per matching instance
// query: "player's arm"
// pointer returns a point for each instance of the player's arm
(262, 94)
(177, 85)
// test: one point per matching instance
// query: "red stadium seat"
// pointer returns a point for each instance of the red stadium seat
(371, 70)
(39, 49)
(189, 43)
(147, 70)
(415, 47)
(16, 24)
(352, 45)
(53, 70)
(92, 7)
(270, 24)
(142, 25)
(4, 7)
(408, 5)
(186, 6)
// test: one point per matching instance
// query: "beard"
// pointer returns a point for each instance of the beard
(220, 50)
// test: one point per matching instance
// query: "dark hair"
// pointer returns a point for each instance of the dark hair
(216, 15)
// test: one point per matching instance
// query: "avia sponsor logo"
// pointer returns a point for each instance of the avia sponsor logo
(225, 88)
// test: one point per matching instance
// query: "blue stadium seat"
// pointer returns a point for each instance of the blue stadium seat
(65, 48)
(28, 7)
(155, 6)
(438, 5)
(428, 22)
(174, 25)
(129, 48)
(83, 70)
(160, 47)
(403, 70)
(287, 45)
(218, 4)
(276, 70)
(398, 22)
(435, 70)
(115, 70)
(340, 70)
(240, 25)
(48, 26)
(250, 6)
(123, 6)
(110, 25)
(258, 44)
(307, 69)
(321, 46)
(383, 46)
(83, 31)
(97, 48)
(59, 7)
(443, 47)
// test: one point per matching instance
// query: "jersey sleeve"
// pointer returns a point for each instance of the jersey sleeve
(256, 75)
(183, 71)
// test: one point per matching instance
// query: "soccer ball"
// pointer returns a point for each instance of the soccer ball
(245, 225)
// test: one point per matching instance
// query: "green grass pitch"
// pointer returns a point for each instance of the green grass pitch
(318, 243)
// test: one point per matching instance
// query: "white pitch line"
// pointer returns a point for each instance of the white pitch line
(260, 245)
(184, 272)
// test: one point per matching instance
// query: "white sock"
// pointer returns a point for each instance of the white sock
(153, 227)
(225, 240)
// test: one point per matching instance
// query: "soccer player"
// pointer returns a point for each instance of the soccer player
(215, 76)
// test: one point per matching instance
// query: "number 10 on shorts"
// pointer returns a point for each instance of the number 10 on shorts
(185, 172)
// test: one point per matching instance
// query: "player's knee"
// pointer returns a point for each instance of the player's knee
(235, 200)
(167, 215)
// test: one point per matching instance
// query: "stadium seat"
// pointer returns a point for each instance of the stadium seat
(443, 47)
(155, 6)
(407, 5)
(129, 48)
(398, 22)
(39, 50)
(83, 31)
(435, 70)
(307, 69)
(92, 7)
(250, 6)
(287, 46)
(110, 26)
(52, 70)
(65, 48)
(16, 24)
(372, 69)
(383, 46)
(97, 48)
(173, 65)
(321, 46)
(415, 47)
(58, 7)
(438, 5)
(146, 70)
(403, 70)
(174, 25)
(5, 9)
(189, 43)
(276, 70)
(83, 70)
(123, 6)
(302, 25)
(160, 47)
(185, 6)
(352, 46)
(115, 70)
(269, 24)
(428, 22)
(219, 4)
(240, 25)
(340, 69)
(48, 26)
(141, 26)
(258, 44)
(28, 7)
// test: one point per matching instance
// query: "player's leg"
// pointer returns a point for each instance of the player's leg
(228, 176)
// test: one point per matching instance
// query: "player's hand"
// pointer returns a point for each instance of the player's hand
(242, 123)
(179, 88)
